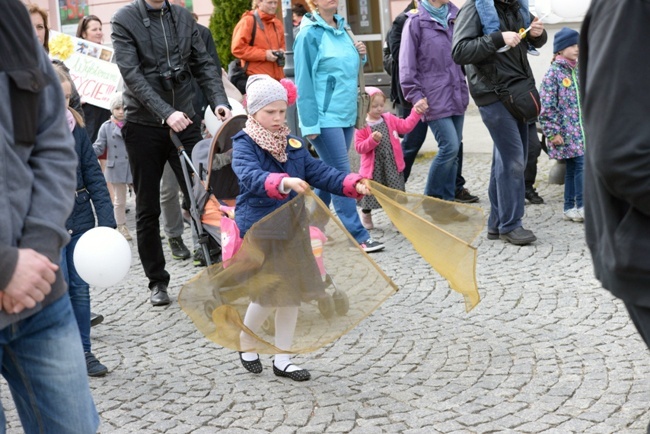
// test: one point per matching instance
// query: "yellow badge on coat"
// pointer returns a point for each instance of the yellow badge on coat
(295, 143)
(566, 82)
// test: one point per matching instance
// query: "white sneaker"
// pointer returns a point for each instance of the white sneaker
(122, 229)
(581, 212)
(573, 215)
(366, 220)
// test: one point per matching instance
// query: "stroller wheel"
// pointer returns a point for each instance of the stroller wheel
(209, 307)
(341, 302)
(268, 326)
(326, 306)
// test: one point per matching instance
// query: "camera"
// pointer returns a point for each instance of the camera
(175, 75)
(280, 58)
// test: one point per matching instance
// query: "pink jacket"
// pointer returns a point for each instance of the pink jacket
(365, 144)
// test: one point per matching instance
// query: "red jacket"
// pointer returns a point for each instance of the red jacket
(270, 38)
(365, 144)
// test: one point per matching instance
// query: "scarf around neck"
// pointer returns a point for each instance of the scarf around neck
(118, 124)
(571, 63)
(274, 143)
(439, 15)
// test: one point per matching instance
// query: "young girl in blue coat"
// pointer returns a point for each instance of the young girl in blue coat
(91, 193)
(273, 167)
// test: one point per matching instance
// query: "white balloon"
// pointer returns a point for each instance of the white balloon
(570, 8)
(102, 257)
(212, 123)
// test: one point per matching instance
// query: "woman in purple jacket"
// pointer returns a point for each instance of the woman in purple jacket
(433, 83)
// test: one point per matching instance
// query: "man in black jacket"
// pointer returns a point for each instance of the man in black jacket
(158, 50)
(617, 162)
(488, 71)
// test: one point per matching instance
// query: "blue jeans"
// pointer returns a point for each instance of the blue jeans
(412, 141)
(332, 146)
(573, 183)
(487, 12)
(441, 182)
(78, 290)
(506, 190)
(45, 369)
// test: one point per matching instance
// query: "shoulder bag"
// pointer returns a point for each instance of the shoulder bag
(363, 99)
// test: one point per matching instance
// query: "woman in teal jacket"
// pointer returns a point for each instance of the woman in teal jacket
(326, 67)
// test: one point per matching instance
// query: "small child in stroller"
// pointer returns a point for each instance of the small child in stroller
(273, 167)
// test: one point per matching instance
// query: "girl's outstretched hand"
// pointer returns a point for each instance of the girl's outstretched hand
(296, 184)
(363, 187)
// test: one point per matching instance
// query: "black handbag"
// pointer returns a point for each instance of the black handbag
(236, 72)
(522, 100)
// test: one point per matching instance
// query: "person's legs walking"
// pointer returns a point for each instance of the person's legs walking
(569, 185)
(412, 141)
(332, 146)
(43, 363)
(507, 178)
(147, 148)
(530, 173)
(172, 216)
(79, 293)
(462, 194)
(441, 182)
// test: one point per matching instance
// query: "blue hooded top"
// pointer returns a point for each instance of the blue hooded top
(326, 70)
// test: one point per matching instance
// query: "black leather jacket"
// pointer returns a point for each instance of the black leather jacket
(143, 53)
(478, 52)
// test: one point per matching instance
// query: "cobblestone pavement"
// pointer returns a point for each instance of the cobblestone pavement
(547, 350)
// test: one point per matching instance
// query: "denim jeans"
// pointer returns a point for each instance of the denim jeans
(573, 183)
(149, 149)
(44, 365)
(332, 146)
(506, 189)
(441, 182)
(78, 290)
(490, 19)
(412, 141)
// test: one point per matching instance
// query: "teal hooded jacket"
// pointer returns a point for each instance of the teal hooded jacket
(326, 74)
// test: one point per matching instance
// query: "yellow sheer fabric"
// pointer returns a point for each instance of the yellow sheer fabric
(441, 232)
(286, 260)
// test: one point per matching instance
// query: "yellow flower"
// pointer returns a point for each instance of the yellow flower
(61, 46)
(522, 32)
(566, 82)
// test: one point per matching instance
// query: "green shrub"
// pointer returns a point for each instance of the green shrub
(224, 18)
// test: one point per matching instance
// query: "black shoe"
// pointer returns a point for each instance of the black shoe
(94, 367)
(179, 251)
(492, 235)
(199, 258)
(519, 237)
(301, 375)
(533, 197)
(254, 366)
(464, 196)
(96, 319)
(159, 295)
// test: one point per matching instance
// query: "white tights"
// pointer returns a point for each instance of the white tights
(285, 325)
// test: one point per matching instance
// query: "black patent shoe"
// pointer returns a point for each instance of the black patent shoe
(254, 366)
(300, 375)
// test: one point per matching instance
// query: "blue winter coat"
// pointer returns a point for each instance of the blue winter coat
(426, 68)
(91, 186)
(260, 176)
(327, 68)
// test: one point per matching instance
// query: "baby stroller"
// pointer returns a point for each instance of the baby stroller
(215, 184)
